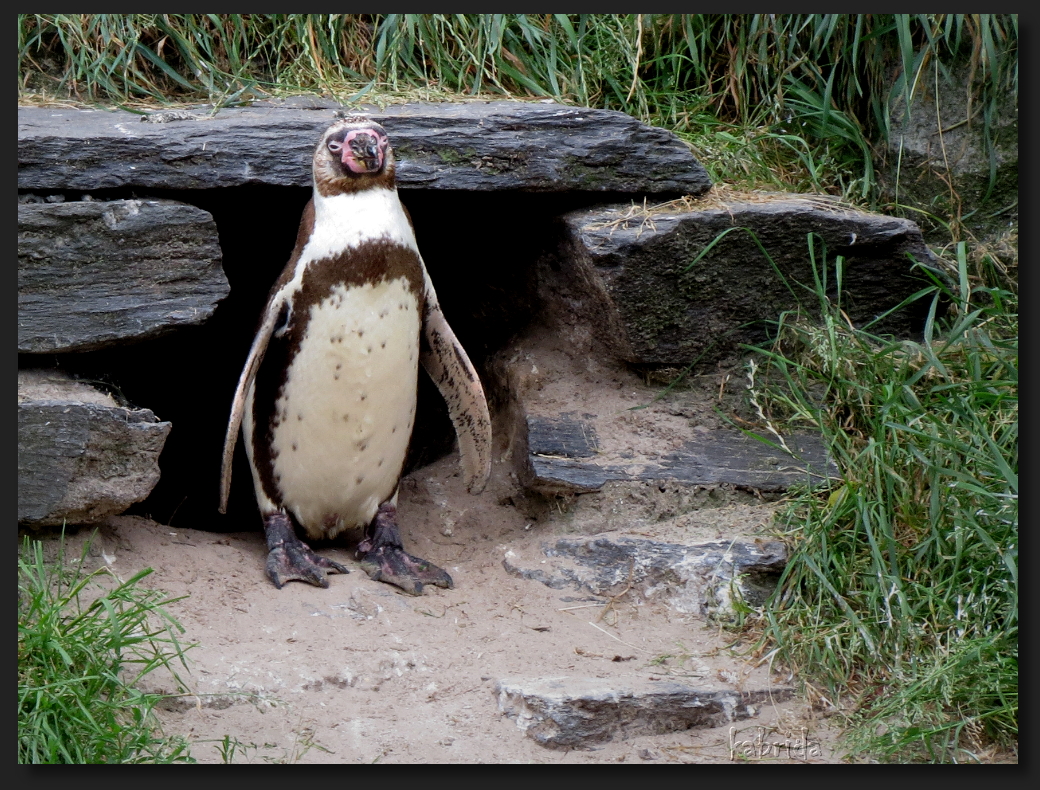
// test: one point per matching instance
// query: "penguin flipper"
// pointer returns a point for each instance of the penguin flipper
(276, 302)
(256, 356)
(451, 370)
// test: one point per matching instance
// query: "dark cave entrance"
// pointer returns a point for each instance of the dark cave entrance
(480, 250)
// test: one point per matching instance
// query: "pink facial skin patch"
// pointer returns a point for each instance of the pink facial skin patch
(363, 150)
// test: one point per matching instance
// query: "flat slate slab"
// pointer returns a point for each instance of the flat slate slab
(653, 300)
(81, 456)
(482, 146)
(700, 578)
(93, 273)
(564, 458)
(573, 712)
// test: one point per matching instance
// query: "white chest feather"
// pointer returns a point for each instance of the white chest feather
(344, 222)
(346, 411)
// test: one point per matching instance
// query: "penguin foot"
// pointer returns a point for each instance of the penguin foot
(384, 559)
(290, 558)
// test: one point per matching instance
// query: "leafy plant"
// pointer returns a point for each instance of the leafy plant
(902, 589)
(85, 639)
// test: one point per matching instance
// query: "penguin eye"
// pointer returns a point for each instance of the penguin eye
(335, 146)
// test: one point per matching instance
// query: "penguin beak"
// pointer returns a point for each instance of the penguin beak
(363, 151)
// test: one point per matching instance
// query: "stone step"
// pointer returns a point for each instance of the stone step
(576, 712)
(628, 436)
(705, 578)
(564, 456)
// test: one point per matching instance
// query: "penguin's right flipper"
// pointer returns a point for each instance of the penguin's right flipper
(290, 558)
(238, 405)
(273, 315)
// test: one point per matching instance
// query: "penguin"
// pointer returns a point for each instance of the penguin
(326, 399)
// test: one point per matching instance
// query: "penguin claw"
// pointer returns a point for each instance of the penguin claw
(385, 560)
(297, 562)
(290, 558)
(396, 566)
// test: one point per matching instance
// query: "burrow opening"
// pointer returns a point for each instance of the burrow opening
(481, 250)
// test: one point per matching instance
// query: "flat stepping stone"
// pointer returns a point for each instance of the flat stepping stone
(565, 457)
(700, 578)
(574, 712)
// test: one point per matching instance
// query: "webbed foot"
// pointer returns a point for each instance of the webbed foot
(384, 559)
(290, 558)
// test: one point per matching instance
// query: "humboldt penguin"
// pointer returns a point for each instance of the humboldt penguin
(326, 400)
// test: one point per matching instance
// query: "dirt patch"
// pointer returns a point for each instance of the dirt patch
(362, 673)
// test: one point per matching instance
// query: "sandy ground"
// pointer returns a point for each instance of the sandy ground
(362, 673)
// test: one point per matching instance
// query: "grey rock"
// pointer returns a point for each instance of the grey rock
(563, 436)
(566, 712)
(182, 703)
(707, 578)
(564, 458)
(922, 164)
(91, 274)
(81, 457)
(302, 102)
(466, 146)
(634, 277)
(171, 115)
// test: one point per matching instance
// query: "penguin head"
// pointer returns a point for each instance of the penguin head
(354, 153)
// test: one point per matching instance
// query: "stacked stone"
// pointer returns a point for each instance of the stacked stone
(107, 259)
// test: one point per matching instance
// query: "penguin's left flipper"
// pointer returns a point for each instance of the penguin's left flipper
(289, 558)
(445, 360)
(384, 559)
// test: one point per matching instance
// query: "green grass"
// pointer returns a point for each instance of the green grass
(901, 594)
(812, 91)
(85, 639)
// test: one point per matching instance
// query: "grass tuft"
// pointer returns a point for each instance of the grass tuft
(902, 589)
(85, 639)
(801, 95)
